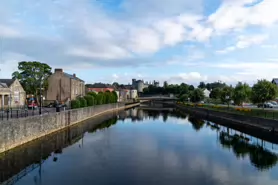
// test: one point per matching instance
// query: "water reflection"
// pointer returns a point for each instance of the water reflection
(147, 152)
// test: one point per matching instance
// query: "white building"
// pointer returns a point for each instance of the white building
(206, 93)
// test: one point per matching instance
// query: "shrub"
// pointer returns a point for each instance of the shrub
(83, 102)
(89, 99)
(75, 104)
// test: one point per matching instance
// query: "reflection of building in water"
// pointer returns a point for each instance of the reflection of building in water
(134, 114)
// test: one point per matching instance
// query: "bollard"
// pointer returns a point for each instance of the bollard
(7, 114)
(17, 113)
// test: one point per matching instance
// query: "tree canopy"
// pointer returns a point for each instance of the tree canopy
(241, 93)
(31, 74)
(197, 95)
(263, 91)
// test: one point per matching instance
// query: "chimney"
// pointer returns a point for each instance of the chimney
(58, 70)
(74, 75)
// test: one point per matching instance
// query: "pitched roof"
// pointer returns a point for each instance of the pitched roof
(275, 80)
(6, 82)
(99, 85)
(72, 77)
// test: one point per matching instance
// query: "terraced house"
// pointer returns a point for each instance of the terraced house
(64, 87)
(12, 93)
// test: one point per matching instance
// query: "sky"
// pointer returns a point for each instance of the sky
(179, 41)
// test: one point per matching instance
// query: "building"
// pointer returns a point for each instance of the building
(64, 87)
(99, 87)
(275, 81)
(206, 93)
(127, 93)
(139, 85)
(12, 93)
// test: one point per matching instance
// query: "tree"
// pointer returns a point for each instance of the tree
(90, 100)
(184, 97)
(116, 84)
(191, 88)
(75, 104)
(165, 84)
(83, 102)
(115, 97)
(197, 95)
(32, 75)
(202, 85)
(215, 93)
(100, 98)
(226, 94)
(242, 93)
(263, 91)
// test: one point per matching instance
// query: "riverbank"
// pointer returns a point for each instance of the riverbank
(268, 125)
(16, 132)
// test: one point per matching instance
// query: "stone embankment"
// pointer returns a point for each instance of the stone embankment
(241, 120)
(16, 132)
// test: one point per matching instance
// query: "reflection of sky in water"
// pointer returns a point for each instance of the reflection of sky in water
(151, 152)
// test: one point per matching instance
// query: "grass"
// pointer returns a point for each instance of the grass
(253, 112)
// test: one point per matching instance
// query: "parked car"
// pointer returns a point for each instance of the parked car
(266, 105)
(32, 105)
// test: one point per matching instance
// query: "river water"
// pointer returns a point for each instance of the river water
(144, 147)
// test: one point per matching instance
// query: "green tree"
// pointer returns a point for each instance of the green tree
(226, 94)
(242, 93)
(263, 91)
(197, 95)
(165, 84)
(115, 97)
(31, 75)
(90, 100)
(108, 97)
(83, 102)
(191, 88)
(215, 93)
(94, 95)
(100, 98)
(75, 104)
(184, 97)
(202, 85)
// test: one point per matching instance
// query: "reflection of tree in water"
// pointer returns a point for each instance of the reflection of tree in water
(165, 115)
(104, 125)
(197, 124)
(178, 114)
(259, 156)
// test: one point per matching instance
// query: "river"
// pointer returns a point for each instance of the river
(143, 146)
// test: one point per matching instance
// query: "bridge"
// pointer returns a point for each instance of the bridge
(158, 98)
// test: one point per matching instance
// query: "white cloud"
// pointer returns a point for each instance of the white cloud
(234, 15)
(245, 41)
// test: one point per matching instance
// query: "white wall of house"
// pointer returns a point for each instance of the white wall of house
(206, 93)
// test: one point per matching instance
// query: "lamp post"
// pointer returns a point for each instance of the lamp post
(228, 100)
(40, 109)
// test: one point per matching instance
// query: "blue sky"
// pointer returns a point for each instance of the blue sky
(117, 40)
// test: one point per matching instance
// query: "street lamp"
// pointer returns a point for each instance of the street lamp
(228, 100)
(40, 110)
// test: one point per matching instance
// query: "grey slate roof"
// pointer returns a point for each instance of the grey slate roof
(99, 85)
(72, 77)
(275, 80)
(6, 82)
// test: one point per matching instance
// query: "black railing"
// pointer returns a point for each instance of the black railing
(21, 112)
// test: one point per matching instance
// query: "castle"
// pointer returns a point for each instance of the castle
(140, 84)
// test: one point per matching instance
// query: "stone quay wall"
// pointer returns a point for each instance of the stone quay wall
(15, 132)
